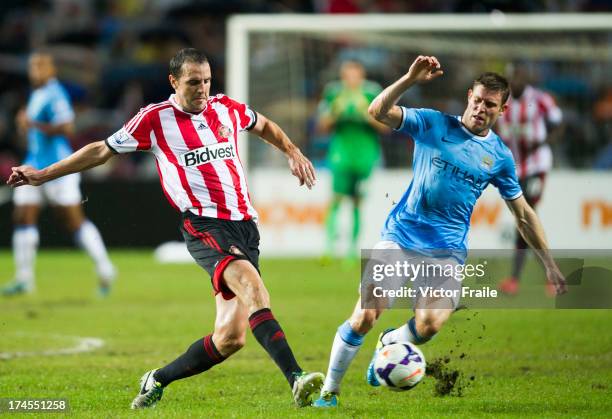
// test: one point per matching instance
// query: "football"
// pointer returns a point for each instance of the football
(400, 366)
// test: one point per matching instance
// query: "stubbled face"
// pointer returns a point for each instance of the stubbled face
(192, 88)
(483, 108)
(40, 69)
(352, 74)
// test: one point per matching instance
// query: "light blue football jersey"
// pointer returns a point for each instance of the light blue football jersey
(48, 104)
(452, 167)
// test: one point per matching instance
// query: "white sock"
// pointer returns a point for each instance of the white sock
(406, 333)
(25, 244)
(346, 345)
(89, 239)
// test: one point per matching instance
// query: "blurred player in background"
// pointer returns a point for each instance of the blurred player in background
(530, 123)
(194, 139)
(47, 122)
(354, 149)
(455, 159)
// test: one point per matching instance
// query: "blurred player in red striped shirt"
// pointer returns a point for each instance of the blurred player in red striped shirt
(531, 122)
(194, 140)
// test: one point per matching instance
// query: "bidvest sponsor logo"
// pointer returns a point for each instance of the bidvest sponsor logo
(208, 154)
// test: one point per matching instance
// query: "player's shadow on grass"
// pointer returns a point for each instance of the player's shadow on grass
(65, 302)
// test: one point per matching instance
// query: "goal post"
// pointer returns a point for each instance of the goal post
(273, 60)
(279, 65)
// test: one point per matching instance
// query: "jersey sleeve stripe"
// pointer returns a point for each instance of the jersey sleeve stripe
(245, 120)
(132, 124)
(142, 135)
(141, 127)
(401, 125)
(129, 126)
(254, 121)
(516, 196)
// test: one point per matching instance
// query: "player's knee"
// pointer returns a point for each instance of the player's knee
(363, 321)
(18, 218)
(429, 329)
(429, 326)
(72, 226)
(234, 344)
(228, 343)
(24, 217)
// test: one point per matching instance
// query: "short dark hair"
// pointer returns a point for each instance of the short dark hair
(191, 55)
(494, 82)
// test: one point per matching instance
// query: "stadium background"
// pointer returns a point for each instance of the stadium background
(112, 56)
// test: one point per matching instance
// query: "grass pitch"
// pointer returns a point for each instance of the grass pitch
(538, 363)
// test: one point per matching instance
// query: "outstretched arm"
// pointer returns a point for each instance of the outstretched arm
(384, 109)
(530, 227)
(91, 155)
(300, 166)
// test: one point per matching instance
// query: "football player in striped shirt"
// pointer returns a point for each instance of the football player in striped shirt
(531, 122)
(193, 137)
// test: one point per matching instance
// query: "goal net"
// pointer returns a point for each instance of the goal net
(280, 63)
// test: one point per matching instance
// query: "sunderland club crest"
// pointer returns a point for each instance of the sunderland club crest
(224, 131)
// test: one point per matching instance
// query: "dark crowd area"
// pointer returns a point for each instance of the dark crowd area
(113, 55)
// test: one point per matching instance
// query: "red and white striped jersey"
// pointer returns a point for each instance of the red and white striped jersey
(523, 128)
(197, 155)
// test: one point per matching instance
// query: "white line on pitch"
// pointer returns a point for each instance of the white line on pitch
(83, 344)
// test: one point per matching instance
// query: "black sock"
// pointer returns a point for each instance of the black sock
(269, 334)
(202, 355)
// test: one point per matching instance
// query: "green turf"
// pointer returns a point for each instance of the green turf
(538, 363)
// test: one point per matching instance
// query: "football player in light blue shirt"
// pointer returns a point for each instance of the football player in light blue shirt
(47, 121)
(452, 167)
(455, 158)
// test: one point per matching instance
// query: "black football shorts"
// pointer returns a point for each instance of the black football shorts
(214, 243)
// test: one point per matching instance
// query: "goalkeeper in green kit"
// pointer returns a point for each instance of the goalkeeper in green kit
(354, 149)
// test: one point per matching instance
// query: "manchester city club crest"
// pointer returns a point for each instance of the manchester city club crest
(487, 162)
